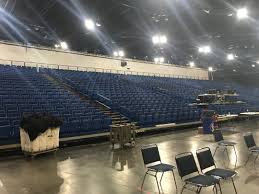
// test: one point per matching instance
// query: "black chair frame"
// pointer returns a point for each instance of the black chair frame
(252, 147)
(211, 164)
(153, 172)
(221, 143)
(194, 170)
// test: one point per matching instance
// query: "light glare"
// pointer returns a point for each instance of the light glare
(230, 57)
(242, 13)
(64, 45)
(192, 64)
(210, 69)
(89, 24)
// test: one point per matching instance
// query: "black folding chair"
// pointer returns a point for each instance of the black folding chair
(152, 161)
(186, 167)
(219, 139)
(252, 147)
(208, 166)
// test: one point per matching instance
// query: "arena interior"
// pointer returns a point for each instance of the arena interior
(129, 96)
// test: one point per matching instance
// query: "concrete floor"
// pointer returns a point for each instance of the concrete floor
(96, 169)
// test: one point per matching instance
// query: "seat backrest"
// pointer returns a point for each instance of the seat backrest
(205, 158)
(218, 135)
(186, 164)
(150, 154)
(249, 140)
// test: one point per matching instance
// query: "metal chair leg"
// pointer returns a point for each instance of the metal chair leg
(248, 158)
(256, 158)
(220, 190)
(235, 155)
(183, 188)
(215, 151)
(234, 185)
(199, 190)
(143, 180)
(157, 184)
(174, 180)
(161, 178)
(227, 153)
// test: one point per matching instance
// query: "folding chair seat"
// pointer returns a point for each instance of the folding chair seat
(208, 166)
(154, 165)
(187, 166)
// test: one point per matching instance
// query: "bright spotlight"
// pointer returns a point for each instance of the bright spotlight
(155, 39)
(156, 59)
(242, 13)
(257, 62)
(159, 39)
(89, 24)
(253, 65)
(210, 69)
(115, 54)
(57, 45)
(159, 60)
(191, 64)
(205, 49)
(64, 45)
(121, 53)
(230, 57)
(163, 39)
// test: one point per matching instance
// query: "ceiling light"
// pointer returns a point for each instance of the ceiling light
(89, 24)
(98, 25)
(159, 39)
(242, 13)
(115, 54)
(192, 64)
(230, 57)
(253, 65)
(121, 53)
(159, 60)
(64, 45)
(205, 49)
(210, 69)
(234, 70)
(155, 39)
(57, 45)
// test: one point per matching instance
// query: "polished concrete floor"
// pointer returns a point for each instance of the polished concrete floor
(97, 169)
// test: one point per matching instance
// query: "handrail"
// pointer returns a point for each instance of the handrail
(92, 69)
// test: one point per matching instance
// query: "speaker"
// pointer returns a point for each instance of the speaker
(123, 63)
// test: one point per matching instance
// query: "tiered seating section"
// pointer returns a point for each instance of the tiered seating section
(148, 100)
(143, 99)
(23, 90)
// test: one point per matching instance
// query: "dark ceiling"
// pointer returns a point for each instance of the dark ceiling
(130, 24)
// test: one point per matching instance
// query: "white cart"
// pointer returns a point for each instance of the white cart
(45, 142)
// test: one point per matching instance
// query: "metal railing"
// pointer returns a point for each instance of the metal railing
(92, 69)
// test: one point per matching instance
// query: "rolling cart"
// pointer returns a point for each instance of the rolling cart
(122, 134)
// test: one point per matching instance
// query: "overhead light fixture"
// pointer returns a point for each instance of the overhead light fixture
(89, 24)
(64, 45)
(159, 60)
(191, 64)
(230, 57)
(210, 69)
(119, 53)
(242, 13)
(257, 62)
(98, 24)
(56, 45)
(159, 39)
(253, 65)
(205, 49)
(115, 54)
(234, 70)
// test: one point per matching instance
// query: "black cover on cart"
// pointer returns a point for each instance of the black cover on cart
(36, 123)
